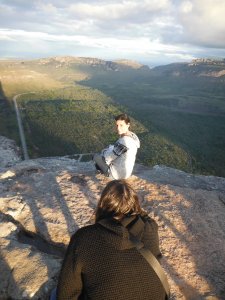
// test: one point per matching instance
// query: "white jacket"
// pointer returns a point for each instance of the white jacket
(121, 156)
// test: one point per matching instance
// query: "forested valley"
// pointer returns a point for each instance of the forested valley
(68, 106)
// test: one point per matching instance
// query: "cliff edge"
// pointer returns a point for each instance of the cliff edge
(43, 201)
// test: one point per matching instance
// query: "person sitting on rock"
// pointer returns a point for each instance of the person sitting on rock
(117, 161)
(101, 262)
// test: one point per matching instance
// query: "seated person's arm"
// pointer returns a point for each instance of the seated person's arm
(114, 151)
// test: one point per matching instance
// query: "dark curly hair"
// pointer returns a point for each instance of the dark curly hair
(123, 117)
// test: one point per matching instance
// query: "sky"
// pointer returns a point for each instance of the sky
(152, 32)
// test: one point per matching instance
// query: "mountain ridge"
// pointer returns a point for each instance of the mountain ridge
(197, 67)
(114, 65)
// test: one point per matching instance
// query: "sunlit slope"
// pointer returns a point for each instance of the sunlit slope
(21, 76)
(18, 77)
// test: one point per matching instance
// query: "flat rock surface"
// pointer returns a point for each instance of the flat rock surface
(44, 201)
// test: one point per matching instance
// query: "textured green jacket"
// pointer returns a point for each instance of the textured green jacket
(102, 264)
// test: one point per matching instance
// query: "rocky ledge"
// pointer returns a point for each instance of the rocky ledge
(43, 201)
(9, 152)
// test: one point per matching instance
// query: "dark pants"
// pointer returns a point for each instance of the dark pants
(53, 294)
(101, 164)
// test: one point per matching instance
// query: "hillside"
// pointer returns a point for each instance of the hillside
(178, 111)
(183, 103)
(43, 201)
(197, 68)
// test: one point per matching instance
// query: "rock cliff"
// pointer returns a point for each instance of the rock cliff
(9, 152)
(43, 201)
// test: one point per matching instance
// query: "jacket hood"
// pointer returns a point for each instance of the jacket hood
(118, 234)
(135, 139)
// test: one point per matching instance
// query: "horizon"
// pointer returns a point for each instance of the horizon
(156, 32)
(113, 60)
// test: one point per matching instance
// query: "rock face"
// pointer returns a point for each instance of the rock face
(9, 152)
(43, 201)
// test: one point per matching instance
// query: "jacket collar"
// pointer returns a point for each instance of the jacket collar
(118, 233)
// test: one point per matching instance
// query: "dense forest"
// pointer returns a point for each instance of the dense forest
(85, 126)
(178, 111)
(183, 104)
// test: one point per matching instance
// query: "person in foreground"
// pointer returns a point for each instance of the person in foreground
(117, 161)
(101, 262)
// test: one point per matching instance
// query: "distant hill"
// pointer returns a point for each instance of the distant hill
(93, 62)
(198, 67)
(177, 110)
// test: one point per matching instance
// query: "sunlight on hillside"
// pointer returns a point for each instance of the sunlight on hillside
(21, 81)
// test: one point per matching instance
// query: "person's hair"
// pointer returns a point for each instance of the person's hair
(123, 117)
(118, 200)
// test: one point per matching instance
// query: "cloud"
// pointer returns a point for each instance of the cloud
(170, 28)
(203, 22)
(129, 10)
(117, 18)
(123, 47)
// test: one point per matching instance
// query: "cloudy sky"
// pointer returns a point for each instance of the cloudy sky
(149, 31)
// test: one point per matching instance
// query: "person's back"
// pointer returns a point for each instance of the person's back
(110, 265)
(102, 263)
